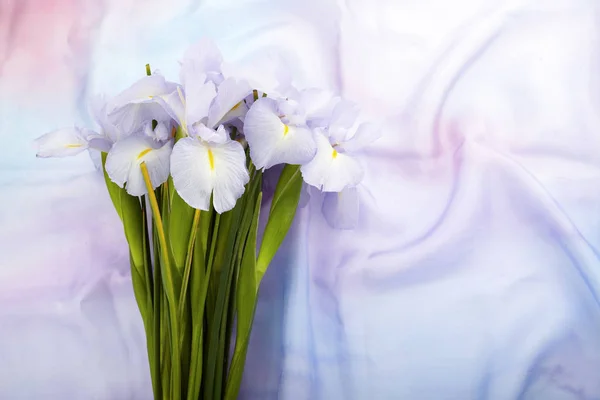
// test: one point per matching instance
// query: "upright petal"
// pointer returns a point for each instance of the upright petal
(230, 175)
(63, 142)
(265, 73)
(124, 159)
(230, 95)
(271, 141)
(144, 89)
(218, 136)
(98, 110)
(173, 104)
(318, 105)
(366, 134)
(204, 57)
(162, 131)
(131, 117)
(198, 98)
(344, 114)
(192, 173)
(341, 209)
(330, 170)
(343, 118)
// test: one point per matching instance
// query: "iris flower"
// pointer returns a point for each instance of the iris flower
(124, 160)
(206, 161)
(71, 141)
(205, 97)
(334, 167)
(138, 105)
(209, 162)
(277, 133)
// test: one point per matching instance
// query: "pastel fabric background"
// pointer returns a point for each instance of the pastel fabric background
(474, 273)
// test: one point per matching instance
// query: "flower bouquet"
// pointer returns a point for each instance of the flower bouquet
(188, 168)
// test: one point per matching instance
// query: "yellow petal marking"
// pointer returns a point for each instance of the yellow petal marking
(211, 160)
(334, 152)
(237, 106)
(286, 129)
(73, 146)
(143, 153)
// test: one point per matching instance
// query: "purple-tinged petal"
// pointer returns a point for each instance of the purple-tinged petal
(229, 98)
(341, 209)
(366, 134)
(64, 142)
(330, 170)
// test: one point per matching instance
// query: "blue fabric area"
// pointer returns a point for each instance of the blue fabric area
(474, 273)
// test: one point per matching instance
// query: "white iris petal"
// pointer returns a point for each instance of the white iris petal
(330, 170)
(64, 142)
(124, 160)
(201, 168)
(229, 98)
(271, 141)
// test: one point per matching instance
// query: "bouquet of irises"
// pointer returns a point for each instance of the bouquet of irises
(188, 166)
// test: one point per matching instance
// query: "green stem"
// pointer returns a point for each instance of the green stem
(169, 287)
(188, 263)
(150, 329)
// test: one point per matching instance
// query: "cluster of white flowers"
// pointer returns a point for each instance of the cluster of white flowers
(218, 116)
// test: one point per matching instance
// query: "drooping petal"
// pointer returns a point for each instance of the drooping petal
(200, 168)
(100, 144)
(330, 170)
(230, 96)
(63, 142)
(341, 209)
(157, 162)
(230, 175)
(271, 141)
(191, 171)
(304, 196)
(96, 157)
(366, 134)
(124, 159)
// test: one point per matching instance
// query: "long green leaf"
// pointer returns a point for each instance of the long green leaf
(215, 345)
(184, 311)
(130, 212)
(283, 209)
(180, 228)
(246, 303)
(158, 334)
(200, 280)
